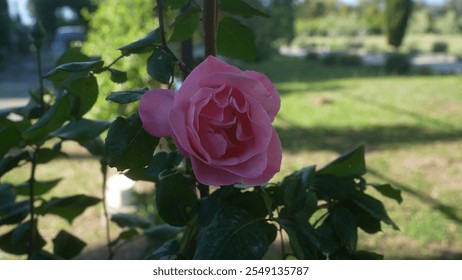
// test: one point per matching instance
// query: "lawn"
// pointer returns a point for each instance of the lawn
(413, 136)
(410, 126)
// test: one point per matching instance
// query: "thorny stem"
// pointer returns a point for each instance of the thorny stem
(283, 248)
(32, 232)
(160, 15)
(210, 14)
(204, 190)
(115, 61)
(106, 214)
(39, 74)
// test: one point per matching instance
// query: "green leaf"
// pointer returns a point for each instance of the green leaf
(240, 8)
(66, 73)
(175, 4)
(16, 241)
(160, 66)
(143, 45)
(364, 220)
(374, 207)
(252, 202)
(94, 146)
(40, 187)
(168, 251)
(162, 232)
(235, 40)
(185, 24)
(81, 130)
(128, 145)
(44, 255)
(74, 67)
(176, 201)
(68, 207)
(365, 255)
(67, 246)
(296, 187)
(302, 237)
(130, 220)
(126, 96)
(83, 93)
(72, 55)
(50, 121)
(10, 162)
(125, 235)
(328, 241)
(345, 226)
(388, 191)
(329, 187)
(14, 213)
(118, 76)
(161, 161)
(10, 136)
(233, 234)
(45, 155)
(7, 195)
(208, 207)
(350, 164)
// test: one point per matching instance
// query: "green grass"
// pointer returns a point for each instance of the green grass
(413, 135)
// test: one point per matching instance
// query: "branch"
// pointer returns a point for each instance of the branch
(210, 27)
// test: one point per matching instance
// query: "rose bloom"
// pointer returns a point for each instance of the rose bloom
(221, 118)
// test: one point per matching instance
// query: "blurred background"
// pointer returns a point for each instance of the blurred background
(341, 83)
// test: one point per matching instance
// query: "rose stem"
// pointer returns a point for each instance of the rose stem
(210, 27)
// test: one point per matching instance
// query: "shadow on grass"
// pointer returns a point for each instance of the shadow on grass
(295, 139)
(284, 69)
(448, 211)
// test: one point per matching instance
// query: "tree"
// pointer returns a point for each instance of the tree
(5, 24)
(133, 20)
(371, 11)
(45, 11)
(397, 14)
(276, 30)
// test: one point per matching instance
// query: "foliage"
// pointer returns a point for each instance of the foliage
(320, 210)
(5, 22)
(373, 15)
(397, 63)
(274, 29)
(45, 11)
(133, 20)
(440, 47)
(397, 14)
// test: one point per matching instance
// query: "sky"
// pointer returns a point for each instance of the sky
(21, 6)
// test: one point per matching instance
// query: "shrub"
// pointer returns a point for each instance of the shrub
(312, 56)
(331, 59)
(440, 47)
(351, 60)
(397, 64)
(343, 59)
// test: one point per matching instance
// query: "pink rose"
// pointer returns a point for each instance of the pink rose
(221, 118)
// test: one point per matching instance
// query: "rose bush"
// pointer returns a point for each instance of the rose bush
(221, 118)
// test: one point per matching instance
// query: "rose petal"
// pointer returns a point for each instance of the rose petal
(251, 168)
(248, 86)
(191, 84)
(209, 175)
(271, 89)
(274, 154)
(154, 109)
